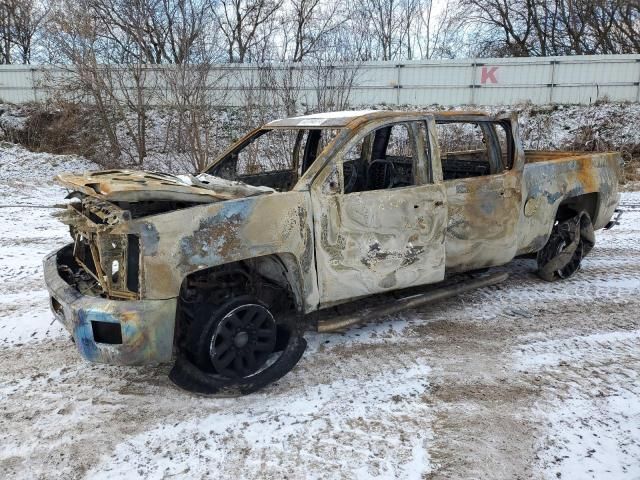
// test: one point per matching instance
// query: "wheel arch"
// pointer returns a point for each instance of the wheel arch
(281, 268)
(569, 207)
(274, 278)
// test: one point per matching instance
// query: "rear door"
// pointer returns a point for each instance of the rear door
(483, 190)
(379, 218)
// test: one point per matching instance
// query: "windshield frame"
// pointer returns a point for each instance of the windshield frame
(254, 134)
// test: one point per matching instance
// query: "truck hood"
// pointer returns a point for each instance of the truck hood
(138, 185)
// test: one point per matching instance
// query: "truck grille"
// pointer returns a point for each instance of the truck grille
(113, 260)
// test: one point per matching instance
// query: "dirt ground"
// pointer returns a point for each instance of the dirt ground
(522, 380)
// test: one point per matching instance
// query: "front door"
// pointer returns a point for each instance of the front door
(379, 220)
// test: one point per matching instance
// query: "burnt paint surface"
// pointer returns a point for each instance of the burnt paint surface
(147, 326)
(362, 243)
(550, 178)
(225, 232)
(370, 242)
(482, 221)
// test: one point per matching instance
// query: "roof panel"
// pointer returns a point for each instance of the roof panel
(342, 119)
(325, 119)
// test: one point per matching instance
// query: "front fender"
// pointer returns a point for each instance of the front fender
(205, 236)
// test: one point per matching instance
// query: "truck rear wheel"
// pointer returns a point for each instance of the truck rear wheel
(236, 348)
(570, 241)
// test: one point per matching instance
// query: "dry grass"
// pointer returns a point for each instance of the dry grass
(632, 169)
(60, 129)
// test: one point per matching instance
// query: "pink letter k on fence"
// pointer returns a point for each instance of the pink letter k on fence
(488, 75)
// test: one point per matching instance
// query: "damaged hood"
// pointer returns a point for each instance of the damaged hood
(135, 186)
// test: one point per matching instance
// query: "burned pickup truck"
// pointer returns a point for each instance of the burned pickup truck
(224, 271)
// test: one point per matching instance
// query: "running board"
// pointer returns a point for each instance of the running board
(414, 301)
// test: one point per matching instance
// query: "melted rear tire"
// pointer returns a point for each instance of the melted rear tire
(570, 241)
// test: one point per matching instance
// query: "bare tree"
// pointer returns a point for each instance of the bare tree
(195, 88)
(155, 31)
(435, 33)
(308, 24)
(240, 22)
(20, 20)
(388, 29)
(120, 93)
(256, 95)
(6, 31)
(550, 27)
(385, 21)
(332, 84)
(116, 52)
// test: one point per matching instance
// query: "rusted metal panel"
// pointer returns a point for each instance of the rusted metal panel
(370, 242)
(549, 178)
(147, 326)
(135, 186)
(483, 211)
(175, 245)
(482, 220)
(373, 241)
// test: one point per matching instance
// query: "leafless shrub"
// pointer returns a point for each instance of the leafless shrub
(195, 90)
(332, 84)
(255, 93)
(112, 53)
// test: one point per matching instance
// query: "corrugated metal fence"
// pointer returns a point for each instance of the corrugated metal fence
(504, 81)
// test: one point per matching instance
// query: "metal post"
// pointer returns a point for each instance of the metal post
(398, 85)
(473, 83)
(33, 85)
(553, 80)
(638, 92)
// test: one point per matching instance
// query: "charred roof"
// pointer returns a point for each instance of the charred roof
(345, 117)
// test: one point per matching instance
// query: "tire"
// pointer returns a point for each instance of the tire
(236, 348)
(570, 241)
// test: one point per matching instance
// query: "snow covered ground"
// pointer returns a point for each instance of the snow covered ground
(522, 380)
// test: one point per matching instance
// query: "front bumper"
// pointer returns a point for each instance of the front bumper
(146, 327)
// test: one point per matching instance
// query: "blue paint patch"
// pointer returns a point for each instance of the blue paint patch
(129, 330)
(83, 335)
(488, 208)
(216, 233)
(552, 198)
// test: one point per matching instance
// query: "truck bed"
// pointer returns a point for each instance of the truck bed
(535, 156)
(587, 180)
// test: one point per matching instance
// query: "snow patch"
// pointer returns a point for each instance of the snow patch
(347, 425)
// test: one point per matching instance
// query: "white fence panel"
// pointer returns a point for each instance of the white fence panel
(501, 81)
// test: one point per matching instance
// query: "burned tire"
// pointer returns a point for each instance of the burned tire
(570, 241)
(236, 348)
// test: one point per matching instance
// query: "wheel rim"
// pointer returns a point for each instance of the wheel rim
(556, 247)
(243, 341)
(574, 264)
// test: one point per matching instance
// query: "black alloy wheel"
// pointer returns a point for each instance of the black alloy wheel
(243, 341)
(235, 348)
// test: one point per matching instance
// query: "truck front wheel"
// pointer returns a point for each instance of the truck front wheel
(570, 241)
(237, 340)
(236, 348)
